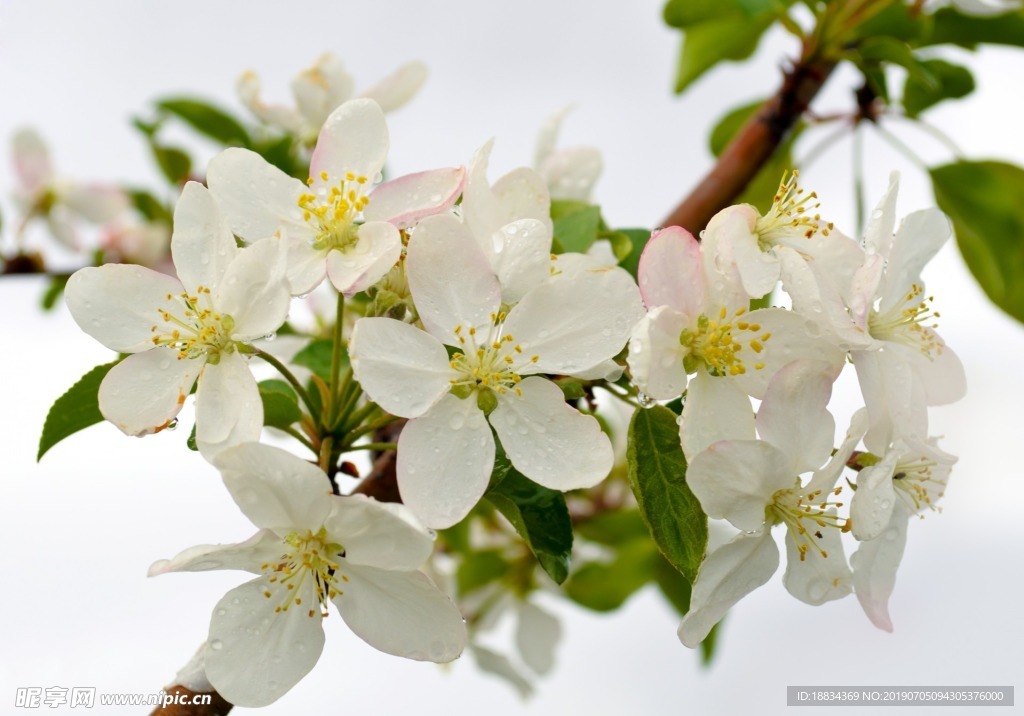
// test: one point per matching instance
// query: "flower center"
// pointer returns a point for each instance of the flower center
(790, 214)
(332, 211)
(200, 332)
(904, 324)
(918, 483)
(491, 365)
(806, 515)
(717, 343)
(306, 556)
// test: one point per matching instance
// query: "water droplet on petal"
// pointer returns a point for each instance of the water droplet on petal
(216, 645)
(270, 336)
(172, 425)
(644, 400)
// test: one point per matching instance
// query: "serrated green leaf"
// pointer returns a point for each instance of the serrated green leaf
(985, 201)
(604, 587)
(76, 410)
(952, 27)
(479, 569)
(953, 82)
(208, 120)
(577, 230)
(657, 476)
(707, 44)
(317, 357)
(538, 514)
(280, 404)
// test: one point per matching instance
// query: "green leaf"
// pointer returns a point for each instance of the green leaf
(685, 13)
(657, 475)
(985, 200)
(76, 410)
(279, 153)
(638, 238)
(208, 120)
(149, 206)
(622, 244)
(191, 443)
(604, 587)
(280, 404)
(175, 164)
(673, 585)
(707, 44)
(571, 388)
(953, 82)
(952, 27)
(894, 21)
(317, 357)
(730, 124)
(707, 647)
(537, 513)
(54, 291)
(479, 569)
(614, 527)
(876, 50)
(577, 230)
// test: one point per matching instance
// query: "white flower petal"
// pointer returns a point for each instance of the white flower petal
(378, 534)
(257, 198)
(378, 249)
(874, 568)
(229, 410)
(736, 479)
(31, 159)
(98, 203)
(407, 199)
(523, 194)
(254, 290)
(401, 613)
(450, 278)
(715, 409)
(254, 656)
(319, 89)
(117, 304)
(671, 274)
(536, 637)
(399, 87)
(274, 488)
(894, 400)
(550, 442)
(873, 502)
(919, 238)
(445, 460)
(521, 257)
(732, 237)
(491, 662)
(571, 173)
(817, 298)
(794, 417)
(276, 115)
(942, 376)
(247, 556)
(878, 235)
(353, 139)
(307, 266)
(402, 369)
(143, 393)
(815, 579)
(655, 355)
(727, 575)
(202, 244)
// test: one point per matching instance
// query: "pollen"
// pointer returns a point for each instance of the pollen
(792, 213)
(306, 556)
(333, 210)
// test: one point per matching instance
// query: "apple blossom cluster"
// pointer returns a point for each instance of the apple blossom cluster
(474, 359)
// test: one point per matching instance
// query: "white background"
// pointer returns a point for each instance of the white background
(80, 529)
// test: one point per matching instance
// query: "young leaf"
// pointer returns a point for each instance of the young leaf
(478, 569)
(953, 82)
(985, 200)
(175, 164)
(206, 119)
(280, 404)
(657, 475)
(577, 230)
(638, 238)
(708, 43)
(950, 26)
(76, 410)
(604, 587)
(537, 513)
(54, 291)
(317, 357)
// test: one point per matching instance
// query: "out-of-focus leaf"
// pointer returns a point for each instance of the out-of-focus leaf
(895, 21)
(876, 50)
(279, 153)
(730, 124)
(149, 206)
(953, 82)
(191, 443)
(952, 27)
(604, 587)
(317, 357)
(174, 164)
(54, 291)
(985, 200)
(614, 527)
(280, 404)
(639, 238)
(76, 410)
(708, 43)
(208, 120)
(707, 647)
(673, 585)
(577, 230)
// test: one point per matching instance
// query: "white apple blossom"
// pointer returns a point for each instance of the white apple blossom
(335, 226)
(320, 89)
(314, 549)
(755, 485)
(181, 331)
(60, 202)
(569, 172)
(446, 451)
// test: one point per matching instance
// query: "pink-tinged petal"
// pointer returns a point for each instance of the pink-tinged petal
(873, 502)
(119, 304)
(202, 244)
(31, 159)
(537, 635)
(257, 198)
(794, 414)
(671, 274)
(734, 246)
(407, 199)
(548, 441)
(274, 488)
(248, 89)
(573, 324)
(813, 577)
(401, 613)
(97, 203)
(818, 299)
(727, 575)
(727, 229)
(736, 479)
(450, 279)
(399, 87)
(715, 409)
(254, 655)
(319, 89)
(878, 235)
(874, 568)
(254, 290)
(403, 369)
(919, 238)
(571, 173)
(229, 410)
(521, 257)
(377, 250)
(143, 393)
(307, 266)
(655, 355)
(262, 547)
(353, 139)
(378, 534)
(445, 459)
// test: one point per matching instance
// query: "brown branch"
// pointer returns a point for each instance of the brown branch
(753, 145)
